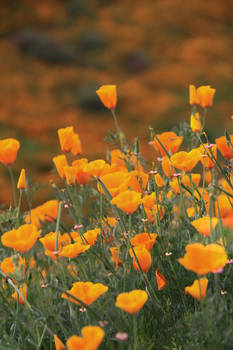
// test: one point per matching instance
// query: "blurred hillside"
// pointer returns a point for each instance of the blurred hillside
(55, 54)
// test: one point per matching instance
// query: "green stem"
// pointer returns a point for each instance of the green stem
(57, 225)
(13, 185)
(135, 335)
(119, 132)
(19, 204)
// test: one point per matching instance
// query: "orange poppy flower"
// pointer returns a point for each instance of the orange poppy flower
(149, 200)
(133, 301)
(49, 239)
(198, 288)
(21, 239)
(128, 201)
(23, 291)
(195, 180)
(8, 151)
(175, 185)
(60, 162)
(159, 181)
(203, 259)
(22, 182)
(193, 100)
(58, 343)
(202, 225)
(224, 147)
(143, 256)
(44, 212)
(118, 160)
(65, 136)
(145, 239)
(228, 222)
(225, 206)
(82, 174)
(190, 212)
(115, 182)
(137, 180)
(115, 255)
(12, 264)
(108, 95)
(87, 292)
(152, 212)
(186, 160)
(205, 158)
(70, 174)
(167, 167)
(205, 95)
(90, 237)
(91, 338)
(170, 141)
(73, 250)
(160, 279)
(195, 122)
(96, 167)
(76, 145)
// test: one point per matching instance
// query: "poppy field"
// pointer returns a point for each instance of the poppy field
(127, 253)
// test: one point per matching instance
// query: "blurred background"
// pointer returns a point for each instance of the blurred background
(54, 54)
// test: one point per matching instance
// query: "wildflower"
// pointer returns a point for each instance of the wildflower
(58, 343)
(96, 167)
(49, 239)
(205, 95)
(121, 336)
(10, 265)
(149, 200)
(137, 180)
(73, 250)
(175, 186)
(8, 151)
(115, 182)
(82, 174)
(167, 167)
(203, 224)
(170, 141)
(159, 180)
(225, 147)
(133, 301)
(194, 177)
(23, 291)
(87, 292)
(91, 338)
(21, 239)
(206, 159)
(225, 206)
(128, 201)
(60, 162)
(186, 160)
(44, 212)
(76, 145)
(195, 122)
(193, 100)
(143, 257)
(160, 279)
(156, 211)
(65, 136)
(198, 288)
(145, 239)
(70, 174)
(22, 182)
(203, 259)
(115, 255)
(108, 96)
(89, 237)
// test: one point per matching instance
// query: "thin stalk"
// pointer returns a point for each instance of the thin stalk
(135, 333)
(57, 225)
(119, 132)
(13, 185)
(19, 204)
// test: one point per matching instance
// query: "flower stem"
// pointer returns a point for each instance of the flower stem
(13, 185)
(57, 225)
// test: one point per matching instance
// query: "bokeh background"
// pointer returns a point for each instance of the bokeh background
(54, 54)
